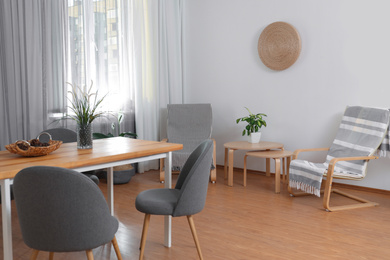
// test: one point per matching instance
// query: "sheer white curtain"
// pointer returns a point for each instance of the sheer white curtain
(158, 73)
(32, 66)
(100, 40)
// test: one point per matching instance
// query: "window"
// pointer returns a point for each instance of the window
(95, 48)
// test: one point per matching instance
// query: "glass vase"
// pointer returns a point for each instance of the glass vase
(84, 136)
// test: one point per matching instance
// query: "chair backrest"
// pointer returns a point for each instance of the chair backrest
(193, 181)
(189, 122)
(62, 134)
(61, 210)
(361, 131)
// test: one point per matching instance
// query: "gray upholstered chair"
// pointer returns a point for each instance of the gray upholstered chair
(186, 199)
(63, 134)
(190, 125)
(66, 136)
(61, 210)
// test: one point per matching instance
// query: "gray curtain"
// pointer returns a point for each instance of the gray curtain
(46, 43)
(32, 66)
(158, 69)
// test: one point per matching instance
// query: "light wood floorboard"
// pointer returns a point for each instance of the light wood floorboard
(244, 223)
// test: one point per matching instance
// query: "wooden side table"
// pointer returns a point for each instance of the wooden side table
(243, 145)
(276, 155)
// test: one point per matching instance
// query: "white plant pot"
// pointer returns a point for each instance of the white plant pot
(254, 137)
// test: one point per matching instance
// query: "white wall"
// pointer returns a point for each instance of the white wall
(345, 60)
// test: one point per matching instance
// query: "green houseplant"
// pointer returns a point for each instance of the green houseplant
(84, 104)
(254, 123)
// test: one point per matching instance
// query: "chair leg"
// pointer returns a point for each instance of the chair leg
(116, 248)
(51, 255)
(328, 190)
(194, 235)
(162, 172)
(144, 233)
(34, 254)
(89, 254)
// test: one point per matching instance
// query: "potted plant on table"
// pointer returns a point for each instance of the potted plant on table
(254, 123)
(84, 104)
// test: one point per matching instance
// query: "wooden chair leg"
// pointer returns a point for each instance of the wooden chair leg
(144, 233)
(244, 181)
(89, 254)
(116, 248)
(194, 235)
(328, 190)
(162, 172)
(51, 255)
(34, 254)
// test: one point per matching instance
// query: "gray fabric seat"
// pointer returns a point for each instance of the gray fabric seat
(66, 136)
(61, 210)
(186, 199)
(190, 125)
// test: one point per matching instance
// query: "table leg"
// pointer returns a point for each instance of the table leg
(110, 189)
(6, 217)
(277, 175)
(245, 160)
(267, 167)
(288, 169)
(168, 185)
(230, 175)
(225, 165)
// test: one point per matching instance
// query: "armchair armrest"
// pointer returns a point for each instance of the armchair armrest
(333, 162)
(296, 152)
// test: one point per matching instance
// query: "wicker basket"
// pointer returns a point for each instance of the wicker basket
(33, 150)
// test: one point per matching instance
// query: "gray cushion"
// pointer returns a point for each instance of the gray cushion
(157, 201)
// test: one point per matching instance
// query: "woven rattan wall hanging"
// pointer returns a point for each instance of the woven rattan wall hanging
(279, 46)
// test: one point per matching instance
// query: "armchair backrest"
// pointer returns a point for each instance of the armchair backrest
(189, 122)
(193, 181)
(361, 132)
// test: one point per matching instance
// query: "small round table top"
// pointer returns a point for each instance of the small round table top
(244, 145)
(270, 154)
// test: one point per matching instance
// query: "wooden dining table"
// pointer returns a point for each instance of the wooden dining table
(106, 153)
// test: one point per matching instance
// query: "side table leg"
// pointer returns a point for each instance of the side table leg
(277, 175)
(244, 181)
(225, 165)
(284, 174)
(288, 169)
(230, 175)
(267, 167)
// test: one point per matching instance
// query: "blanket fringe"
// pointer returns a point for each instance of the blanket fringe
(305, 187)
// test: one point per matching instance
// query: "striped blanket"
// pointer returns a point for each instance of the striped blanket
(363, 132)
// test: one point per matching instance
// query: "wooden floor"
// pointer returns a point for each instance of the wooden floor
(245, 223)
